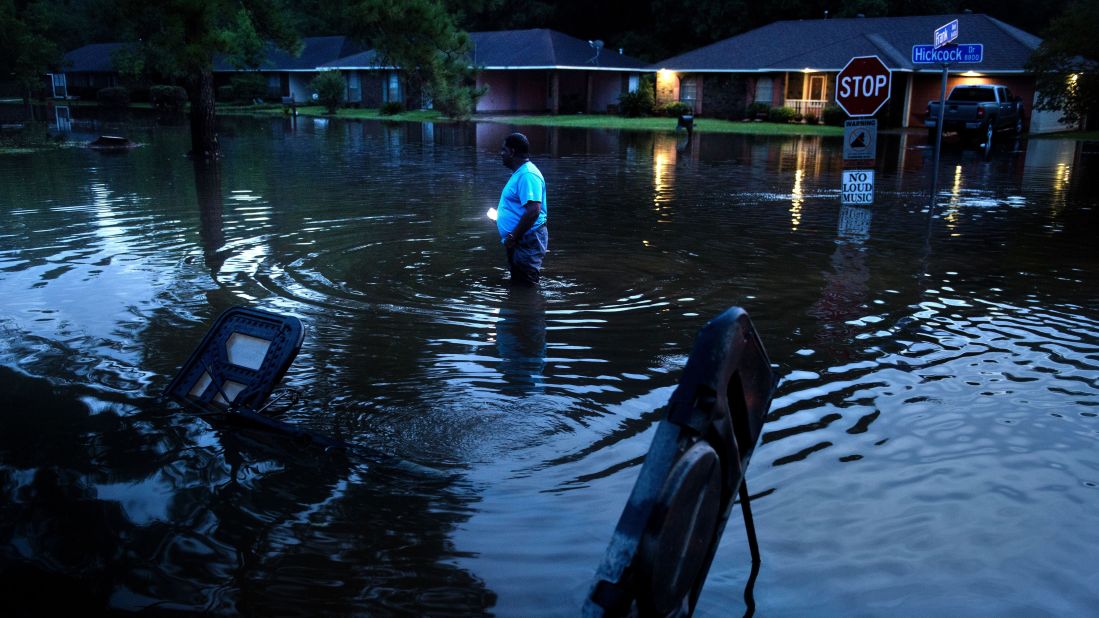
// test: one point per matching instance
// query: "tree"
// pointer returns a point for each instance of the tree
(27, 54)
(1068, 74)
(421, 37)
(180, 39)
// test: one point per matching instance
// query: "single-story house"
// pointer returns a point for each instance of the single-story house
(795, 63)
(536, 71)
(371, 83)
(86, 70)
(543, 70)
(289, 76)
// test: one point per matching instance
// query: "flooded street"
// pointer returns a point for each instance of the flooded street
(933, 446)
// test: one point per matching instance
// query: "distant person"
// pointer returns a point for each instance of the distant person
(521, 214)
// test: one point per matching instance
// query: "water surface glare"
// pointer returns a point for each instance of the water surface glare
(933, 446)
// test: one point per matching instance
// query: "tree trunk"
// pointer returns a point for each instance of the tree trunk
(204, 140)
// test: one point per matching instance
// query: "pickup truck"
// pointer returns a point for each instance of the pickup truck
(978, 111)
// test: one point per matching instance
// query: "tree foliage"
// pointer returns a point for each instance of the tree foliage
(1066, 64)
(422, 38)
(26, 52)
(179, 40)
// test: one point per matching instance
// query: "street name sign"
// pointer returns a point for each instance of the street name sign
(860, 139)
(964, 53)
(863, 86)
(857, 188)
(946, 34)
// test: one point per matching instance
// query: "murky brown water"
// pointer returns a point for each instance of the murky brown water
(933, 446)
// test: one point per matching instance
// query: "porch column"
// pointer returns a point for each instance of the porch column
(907, 100)
(587, 103)
(556, 107)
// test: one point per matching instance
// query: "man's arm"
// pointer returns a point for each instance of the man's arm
(530, 215)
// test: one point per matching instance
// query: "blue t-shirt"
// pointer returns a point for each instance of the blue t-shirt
(525, 185)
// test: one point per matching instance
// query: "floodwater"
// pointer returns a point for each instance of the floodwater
(933, 446)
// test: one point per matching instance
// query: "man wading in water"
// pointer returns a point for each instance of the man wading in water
(521, 215)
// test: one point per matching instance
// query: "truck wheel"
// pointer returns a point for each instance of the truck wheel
(990, 130)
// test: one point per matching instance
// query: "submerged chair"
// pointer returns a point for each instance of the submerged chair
(240, 361)
(669, 531)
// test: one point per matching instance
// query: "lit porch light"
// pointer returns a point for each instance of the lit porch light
(972, 74)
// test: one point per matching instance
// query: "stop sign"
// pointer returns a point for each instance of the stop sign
(862, 87)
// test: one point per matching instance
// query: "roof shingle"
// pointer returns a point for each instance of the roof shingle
(827, 44)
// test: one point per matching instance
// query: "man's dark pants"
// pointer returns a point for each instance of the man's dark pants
(525, 260)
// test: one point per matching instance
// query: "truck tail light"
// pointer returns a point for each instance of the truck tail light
(980, 112)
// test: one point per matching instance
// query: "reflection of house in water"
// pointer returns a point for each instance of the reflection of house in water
(551, 141)
(1051, 164)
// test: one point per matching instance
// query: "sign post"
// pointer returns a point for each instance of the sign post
(862, 88)
(944, 53)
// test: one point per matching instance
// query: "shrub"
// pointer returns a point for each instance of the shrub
(167, 98)
(226, 93)
(674, 109)
(758, 110)
(781, 114)
(640, 102)
(391, 108)
(115, 97)
(330, 88)
(455, 99)
(248, 87)
(810, 118)
(833, 115)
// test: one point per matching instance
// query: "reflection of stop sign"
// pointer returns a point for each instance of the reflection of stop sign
(862, 87)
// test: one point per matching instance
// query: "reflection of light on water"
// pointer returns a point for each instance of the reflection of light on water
(1061, 176)
(951, 214)
(663, 172)
(491, 213)
(798, 197)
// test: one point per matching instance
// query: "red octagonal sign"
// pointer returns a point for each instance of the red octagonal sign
(862, 87)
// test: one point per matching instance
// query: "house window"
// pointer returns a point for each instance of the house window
(635, 82)
(795, 85)
(393, 92)
(816, 88)
(763, 90)
(688, 89)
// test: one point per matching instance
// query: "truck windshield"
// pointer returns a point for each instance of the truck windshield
(973, 94)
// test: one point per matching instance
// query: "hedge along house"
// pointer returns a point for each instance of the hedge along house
(288, 76)
(545, 71)
(794, 64)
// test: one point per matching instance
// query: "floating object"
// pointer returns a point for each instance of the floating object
(112, 143)
(687, 123)
(237, 365)
(491, 214)
(669, 531)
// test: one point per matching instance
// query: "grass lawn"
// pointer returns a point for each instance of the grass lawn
(702, 125)
(1083, 136)
(318, 111)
